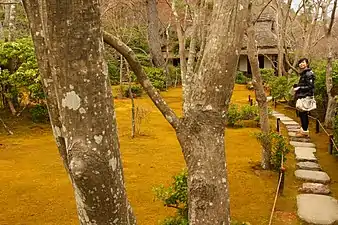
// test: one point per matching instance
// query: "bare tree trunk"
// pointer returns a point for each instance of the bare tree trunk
(181, 43)
(121, 76)
(79, 100)
(11, 106)
(132, 102)
(9, 21)
(259, 88)
(328, 24)
(154, 35)
(201, 130)
(310, 28)
(279, 28)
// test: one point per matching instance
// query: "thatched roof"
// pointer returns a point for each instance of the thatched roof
(265, 30)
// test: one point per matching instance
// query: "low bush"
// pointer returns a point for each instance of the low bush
(136, 90)
(249, 112)
(39, 113)
(234, 116)
(175, 196)
(277, 145)
(241, 78)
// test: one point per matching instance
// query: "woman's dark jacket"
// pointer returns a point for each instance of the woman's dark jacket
(306, 84)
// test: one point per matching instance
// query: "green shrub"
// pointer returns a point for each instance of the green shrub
(174, 73)
(114, 72)
(39, 113)
(278, 145)
(241, 78)
(268, 75)
(176, 196)
(281, 86)
(233, 115)
(249, 112)
(135, 89)
(157, 77)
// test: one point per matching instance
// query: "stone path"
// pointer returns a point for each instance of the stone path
(314, 206)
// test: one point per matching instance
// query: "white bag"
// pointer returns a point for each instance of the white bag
(306, 104)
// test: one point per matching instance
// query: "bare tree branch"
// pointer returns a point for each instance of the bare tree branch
(130, 56)
(6, 127)
(332, 16)
(259, 15)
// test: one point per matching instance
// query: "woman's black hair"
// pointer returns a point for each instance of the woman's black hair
(303, 59)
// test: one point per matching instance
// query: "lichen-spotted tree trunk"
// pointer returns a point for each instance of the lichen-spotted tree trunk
(69, 47)
(328, 23)
(259, 89)
(201, 131)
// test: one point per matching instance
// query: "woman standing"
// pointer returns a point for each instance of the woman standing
(305, 96)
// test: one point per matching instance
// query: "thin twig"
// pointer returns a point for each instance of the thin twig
(6, 127)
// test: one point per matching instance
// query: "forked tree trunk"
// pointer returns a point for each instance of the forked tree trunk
(332, 104)
(201, 130)
(69, 50)
(259, 89)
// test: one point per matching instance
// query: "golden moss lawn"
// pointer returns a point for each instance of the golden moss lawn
(35, 188)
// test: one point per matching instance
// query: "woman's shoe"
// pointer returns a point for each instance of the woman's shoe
(302, 133)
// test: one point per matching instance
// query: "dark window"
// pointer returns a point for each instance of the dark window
(261, 61)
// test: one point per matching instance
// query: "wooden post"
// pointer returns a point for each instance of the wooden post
(251, 102)
(275, 103)
(281, 187)
(249, 98)
(278, 127)
(331, 144)
(317, 126)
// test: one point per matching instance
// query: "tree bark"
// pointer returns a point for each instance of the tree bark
(121, 76)
(132, 102)
(259, 89)
(181, 44)
(332, 103)
(11, 106)
(279, 28)
(69, 47)
(154, 38)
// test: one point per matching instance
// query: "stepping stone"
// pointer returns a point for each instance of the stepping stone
(317, 209)
(313, 150)
(300, 139)
(315, 188)
(293, 127)
(284, 118)
(275, 112)
(309, 166)
(313, 176)
(302, 144)
(290, 123)
(304, 155)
